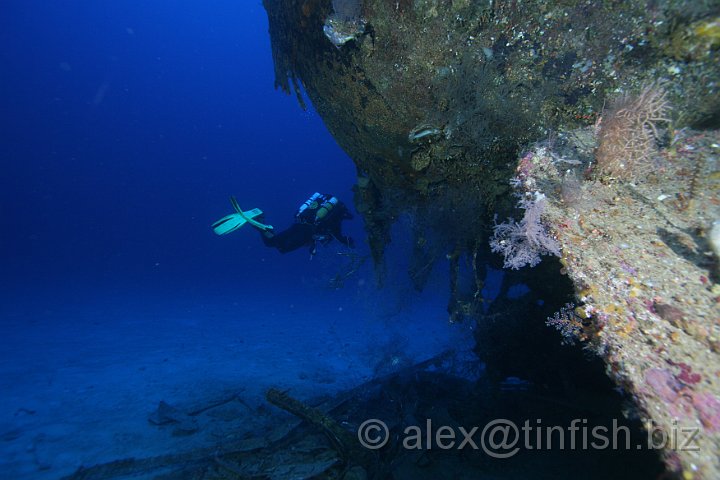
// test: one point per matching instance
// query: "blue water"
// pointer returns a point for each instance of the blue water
(125, 128)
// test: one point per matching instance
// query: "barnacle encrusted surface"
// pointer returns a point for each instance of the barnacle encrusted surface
(638, 255)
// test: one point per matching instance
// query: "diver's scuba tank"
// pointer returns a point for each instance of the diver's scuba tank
(306, 212)
(316, 208)
(314, 198)
(325, 208)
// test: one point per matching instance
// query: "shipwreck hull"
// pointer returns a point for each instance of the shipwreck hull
(434, 101)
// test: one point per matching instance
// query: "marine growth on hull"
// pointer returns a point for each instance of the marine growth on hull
(573, 145)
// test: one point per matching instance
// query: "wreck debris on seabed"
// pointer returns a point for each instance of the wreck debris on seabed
(320, 438)
(640, 255)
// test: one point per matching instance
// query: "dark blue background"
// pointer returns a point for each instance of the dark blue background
(126, 126)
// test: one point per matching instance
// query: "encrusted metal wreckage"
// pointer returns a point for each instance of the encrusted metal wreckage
(436, 100)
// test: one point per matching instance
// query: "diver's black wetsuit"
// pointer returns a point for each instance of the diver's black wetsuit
(309, 233)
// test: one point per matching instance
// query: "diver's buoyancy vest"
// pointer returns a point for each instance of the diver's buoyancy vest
(316, 208)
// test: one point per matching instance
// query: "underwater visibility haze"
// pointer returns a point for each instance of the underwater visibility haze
(359, 239)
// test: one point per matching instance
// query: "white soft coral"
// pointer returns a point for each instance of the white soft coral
(522, 243)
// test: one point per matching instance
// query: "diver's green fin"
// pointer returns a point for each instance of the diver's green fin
(234, 203)
(230, 223)
(250, 215)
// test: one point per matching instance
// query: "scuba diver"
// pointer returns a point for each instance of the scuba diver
(317, 222)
